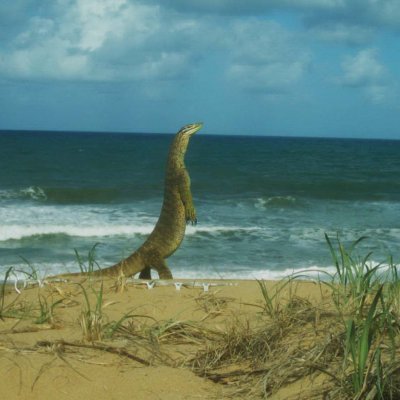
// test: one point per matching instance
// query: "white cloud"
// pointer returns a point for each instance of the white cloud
(246, 7)
(167, 65)
(101, 40)
(365, 71)
(122, 40)
(312, 5)
(366, 13)
(333, 31)
(377, 93)
(352, 12)
(265, 57)
(145, 41)
(271, 78)
(385, 12)
(40, 63)
(39, 29)
(97, 20)
(354, 22)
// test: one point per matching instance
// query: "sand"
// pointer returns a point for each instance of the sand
(54, 359)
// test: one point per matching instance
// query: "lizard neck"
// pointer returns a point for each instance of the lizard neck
(177, 151)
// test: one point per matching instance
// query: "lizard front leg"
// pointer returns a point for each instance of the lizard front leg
(187, 199)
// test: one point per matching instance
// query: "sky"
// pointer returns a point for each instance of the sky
(326, 68)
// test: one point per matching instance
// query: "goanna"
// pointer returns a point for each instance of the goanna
(177, 210)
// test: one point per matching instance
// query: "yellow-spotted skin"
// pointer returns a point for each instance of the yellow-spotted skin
(177, 210)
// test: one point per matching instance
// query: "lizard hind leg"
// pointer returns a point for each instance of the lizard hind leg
(163, 271)
(145, 273)
(155, 261)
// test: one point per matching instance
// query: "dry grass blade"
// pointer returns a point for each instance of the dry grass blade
(98, 346)
(91, 318)
(262, 358)
(56, 348)
(5, 309)
(180, 332)
(224, 377)
(239, 344)
(211, 303)
(43, 368)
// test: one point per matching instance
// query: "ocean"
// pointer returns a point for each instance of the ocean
(263, 203)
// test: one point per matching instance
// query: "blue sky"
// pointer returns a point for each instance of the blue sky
(276, 67)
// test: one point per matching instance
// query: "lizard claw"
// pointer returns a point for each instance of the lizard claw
(191, 221)
(191, 216)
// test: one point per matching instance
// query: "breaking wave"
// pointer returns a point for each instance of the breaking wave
(18, 232)
(279, 202)
(32, 193)
(225, 272)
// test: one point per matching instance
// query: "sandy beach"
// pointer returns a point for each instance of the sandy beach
(219, 339)
(154, 352)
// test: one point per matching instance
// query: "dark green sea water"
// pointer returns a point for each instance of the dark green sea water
(263, 203)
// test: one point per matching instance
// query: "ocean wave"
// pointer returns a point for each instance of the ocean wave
(77, 195)
(21, 271)
(89, 195)
(245, 273)
(18, 232)
(44, 270)
(314, 272)
(32, 193)
(302, 236)
(199, 271)
(311, 272)
(279, 202)
(219, 229)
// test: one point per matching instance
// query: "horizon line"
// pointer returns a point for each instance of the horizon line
(243, 135)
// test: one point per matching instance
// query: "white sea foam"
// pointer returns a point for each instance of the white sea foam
(246, 273)
(22, 272)
(206, 272)
(276, 202)
(31, 192)
(34, 192)
(20, 222)
(191, 230)
(27, 222)
(263, 242)
(17, 232)
(314, 272)
(81, 221)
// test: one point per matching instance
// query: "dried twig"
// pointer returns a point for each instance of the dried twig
(98, 346)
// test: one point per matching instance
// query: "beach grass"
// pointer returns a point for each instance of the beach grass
(92, 319)
(345, 345)
(4, 308)
(88, 264)
(353, 340)
(46, 309)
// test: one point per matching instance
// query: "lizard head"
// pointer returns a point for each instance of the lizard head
(181, 140)
(191, 129)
